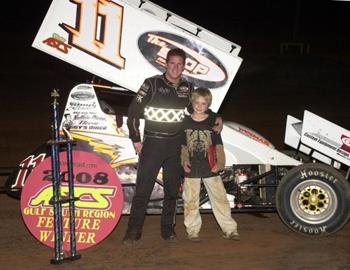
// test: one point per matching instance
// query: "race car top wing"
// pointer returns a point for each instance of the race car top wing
(126, 41)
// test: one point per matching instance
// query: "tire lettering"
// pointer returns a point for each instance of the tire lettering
(305, 174)
(308, 229)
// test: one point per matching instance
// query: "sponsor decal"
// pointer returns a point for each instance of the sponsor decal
(346, 143)
(57, 42)
(88, 121)
(330, 144)
(83, 95)
(75, 106)
(202, 67)
(97, 211)
(183, 91)
(254, 136)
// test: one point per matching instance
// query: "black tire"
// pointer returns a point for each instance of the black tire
(313, 199)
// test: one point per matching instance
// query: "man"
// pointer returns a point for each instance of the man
(161, 100)
(67, 123)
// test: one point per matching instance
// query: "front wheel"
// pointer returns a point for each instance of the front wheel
(313, 199)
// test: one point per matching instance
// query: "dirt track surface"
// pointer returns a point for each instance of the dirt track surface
(266, 243)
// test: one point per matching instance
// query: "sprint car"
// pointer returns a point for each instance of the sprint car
(307, 188)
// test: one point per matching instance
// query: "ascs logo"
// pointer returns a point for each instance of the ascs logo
(202, 68)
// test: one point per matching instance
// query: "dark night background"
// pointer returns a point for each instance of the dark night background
(269, 85)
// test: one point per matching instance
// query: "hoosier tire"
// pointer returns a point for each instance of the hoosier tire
(313, 199)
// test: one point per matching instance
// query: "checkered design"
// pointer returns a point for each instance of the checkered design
(164, 115)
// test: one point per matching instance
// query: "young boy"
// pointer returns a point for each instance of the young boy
(198, 137)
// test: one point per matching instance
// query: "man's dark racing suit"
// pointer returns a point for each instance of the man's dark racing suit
(162, 105)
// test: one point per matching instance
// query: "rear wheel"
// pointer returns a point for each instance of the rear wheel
(313, 199)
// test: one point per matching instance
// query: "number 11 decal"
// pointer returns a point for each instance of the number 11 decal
(98, 30)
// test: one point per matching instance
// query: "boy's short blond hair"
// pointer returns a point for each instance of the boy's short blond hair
(202, 92)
